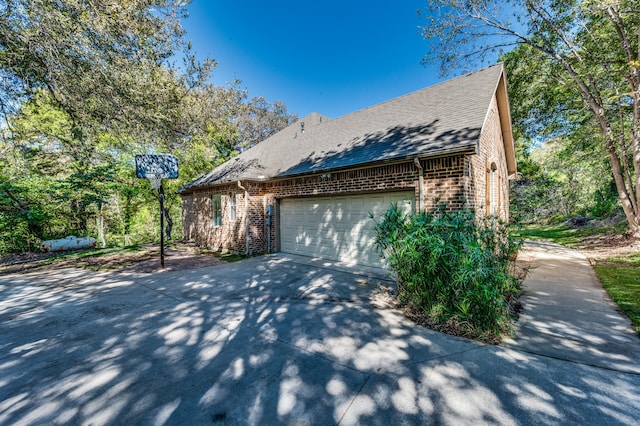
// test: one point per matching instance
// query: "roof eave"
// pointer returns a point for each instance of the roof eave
(504, 111)
(464, 149)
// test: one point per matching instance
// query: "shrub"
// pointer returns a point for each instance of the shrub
(452, 270)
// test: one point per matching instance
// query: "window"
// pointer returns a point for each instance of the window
(216, 210)
(493, 190)
(232, 206)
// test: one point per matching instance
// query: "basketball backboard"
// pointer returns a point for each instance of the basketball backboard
(157, 166)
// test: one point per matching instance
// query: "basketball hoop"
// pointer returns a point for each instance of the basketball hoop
(155, 179)
(156, 167)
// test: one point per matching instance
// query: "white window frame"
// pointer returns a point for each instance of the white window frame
(233, 206)
(493, 190)
(216, 210)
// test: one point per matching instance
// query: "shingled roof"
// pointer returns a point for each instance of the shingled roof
(442, 119)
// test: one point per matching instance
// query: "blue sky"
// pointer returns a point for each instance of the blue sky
(331, 57)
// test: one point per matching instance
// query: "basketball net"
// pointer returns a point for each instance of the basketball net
(155, 179)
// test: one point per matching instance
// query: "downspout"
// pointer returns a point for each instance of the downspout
(416, 161)
(246, 217)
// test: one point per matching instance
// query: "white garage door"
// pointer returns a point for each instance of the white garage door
(337, 228)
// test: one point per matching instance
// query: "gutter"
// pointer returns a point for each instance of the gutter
(246, 217)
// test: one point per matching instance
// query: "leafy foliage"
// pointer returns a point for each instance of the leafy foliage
(22, 215)
(452, 270)
(56, 183)
(559, 181)
(103, 63)
(567, 175)
(576, 70)
(86, 85)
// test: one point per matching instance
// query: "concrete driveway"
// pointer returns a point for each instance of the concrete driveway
(270, 340)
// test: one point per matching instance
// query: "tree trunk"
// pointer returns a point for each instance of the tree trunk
(100, 227)
(128, 212)
(632, 217)
(626, 195)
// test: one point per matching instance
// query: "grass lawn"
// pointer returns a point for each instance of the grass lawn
(561, 234)
(619, 276)
(621, 279)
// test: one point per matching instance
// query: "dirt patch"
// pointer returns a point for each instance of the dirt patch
(519, 266)
(605, 246)
(144, 259)
(21, 258)
(175, 260)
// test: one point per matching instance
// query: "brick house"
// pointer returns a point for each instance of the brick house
(309, 189)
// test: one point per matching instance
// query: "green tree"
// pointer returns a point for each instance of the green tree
(22, 214)
(569, 174)
(259, 119)
(86, 85)
(584, 53)
(70, 167)
(103, 62)
(83, 184)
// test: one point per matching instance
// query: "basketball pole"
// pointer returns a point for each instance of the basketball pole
(161, 199)
(157, 167)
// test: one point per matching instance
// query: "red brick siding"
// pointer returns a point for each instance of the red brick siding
(443, 182)
(491, 150)
(382, 178)
(197, 219)
(440, 183)
(447, 179)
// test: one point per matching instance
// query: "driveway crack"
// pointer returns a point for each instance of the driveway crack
(366, 380)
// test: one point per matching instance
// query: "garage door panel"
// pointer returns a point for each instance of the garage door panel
(337, 228)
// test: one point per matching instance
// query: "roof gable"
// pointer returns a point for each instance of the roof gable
(442, 119)
(504, 110)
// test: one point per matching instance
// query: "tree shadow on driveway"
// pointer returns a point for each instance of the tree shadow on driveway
(266, 341)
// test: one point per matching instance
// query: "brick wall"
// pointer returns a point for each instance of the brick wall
(197, 223)
(381, 178)
(445, 180)
(491, 151)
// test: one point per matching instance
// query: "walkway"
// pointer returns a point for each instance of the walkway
(568, 315)
(284, 340)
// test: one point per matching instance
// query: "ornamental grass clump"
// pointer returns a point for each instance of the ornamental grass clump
(452, 271)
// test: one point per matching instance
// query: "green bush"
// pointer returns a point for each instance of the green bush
(452, 271)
